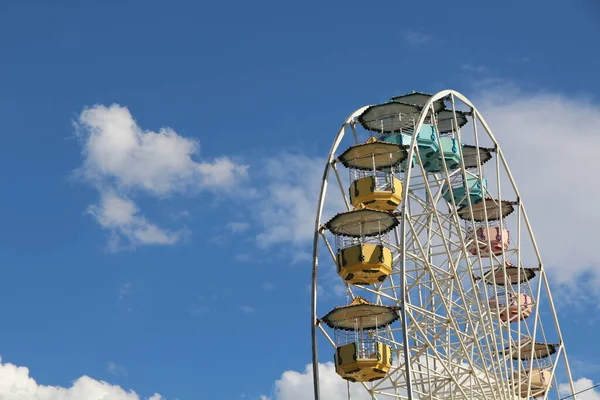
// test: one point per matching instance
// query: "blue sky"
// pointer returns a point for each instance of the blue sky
(194, 285)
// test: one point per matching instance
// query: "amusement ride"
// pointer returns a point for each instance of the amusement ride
(447, 295)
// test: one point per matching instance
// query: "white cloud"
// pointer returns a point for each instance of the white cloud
(295, 385)
(287, 209)
(122, 217)
(580, 384)
(116, 149)
(16, 384)
(550, 143)
(120, 157)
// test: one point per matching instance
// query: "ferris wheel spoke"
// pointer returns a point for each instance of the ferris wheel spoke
(340, 184)
(328, 246)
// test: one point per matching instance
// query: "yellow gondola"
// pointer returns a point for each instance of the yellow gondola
(359, 357)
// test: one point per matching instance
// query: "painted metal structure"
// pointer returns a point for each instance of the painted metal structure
(460, 266)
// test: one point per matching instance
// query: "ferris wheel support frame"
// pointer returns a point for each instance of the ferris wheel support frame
(318, 231)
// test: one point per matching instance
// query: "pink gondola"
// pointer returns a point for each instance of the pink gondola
(512, 307)
(499, 240)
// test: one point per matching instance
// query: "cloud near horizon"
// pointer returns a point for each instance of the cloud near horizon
(17, 384)
(294, 385)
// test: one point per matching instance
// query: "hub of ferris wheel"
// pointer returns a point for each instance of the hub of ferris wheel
(444, 279)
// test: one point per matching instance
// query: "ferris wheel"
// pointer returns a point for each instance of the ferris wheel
(447, 295)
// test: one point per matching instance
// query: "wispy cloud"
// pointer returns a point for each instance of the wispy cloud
(286, 210)
(195, 312)
(268, 286)
(219, 240)
(474, 68)
(336, 290)
(247, 309)
(125, 290)
(184, 214)
(116, 370)
(416, 38)
(238, 227)
(243, 257)
(520, 59)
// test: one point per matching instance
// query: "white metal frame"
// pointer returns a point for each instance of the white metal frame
(447, 339)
